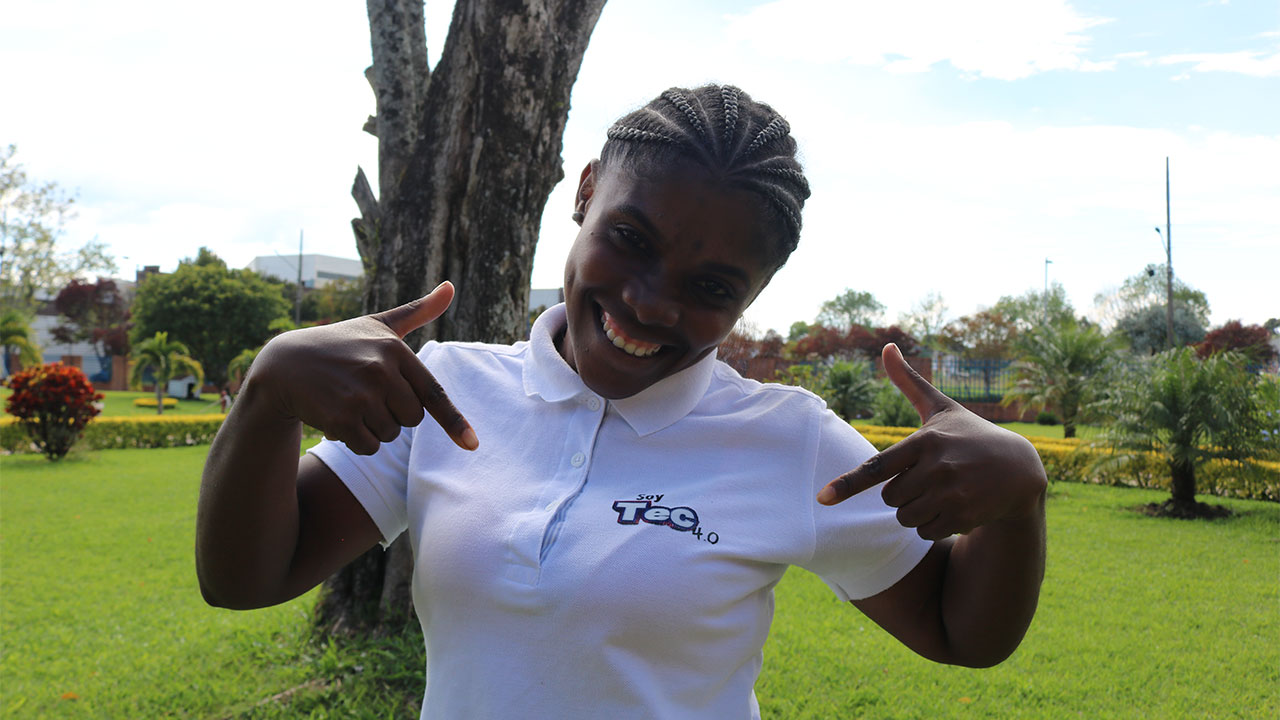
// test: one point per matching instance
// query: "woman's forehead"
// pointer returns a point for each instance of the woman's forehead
(687, 204)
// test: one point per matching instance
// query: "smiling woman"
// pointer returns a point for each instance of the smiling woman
(598, 529)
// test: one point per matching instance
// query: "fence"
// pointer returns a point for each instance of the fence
(982, 381)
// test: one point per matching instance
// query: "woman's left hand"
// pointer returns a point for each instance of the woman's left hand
(956, 473)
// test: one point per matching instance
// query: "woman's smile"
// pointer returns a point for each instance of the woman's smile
(624, 342)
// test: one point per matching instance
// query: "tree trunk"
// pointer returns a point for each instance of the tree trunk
(1183, 484)
(1070, 410)
(467, 155)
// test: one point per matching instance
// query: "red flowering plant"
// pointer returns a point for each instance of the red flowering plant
(53, 402)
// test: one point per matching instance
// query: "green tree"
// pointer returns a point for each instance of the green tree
(240, 364)
(1035, 308)
(1149, 289)
(926, 319)
(1061, 368)
(850, 309)
(166, 359)
(217, 311)
(797, 330)
(1146, 330)
(335, 301)
(850, 388)
(1190, 411)
(32, 217)
(16, 338)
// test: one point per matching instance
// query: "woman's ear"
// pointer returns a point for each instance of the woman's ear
(586, 188)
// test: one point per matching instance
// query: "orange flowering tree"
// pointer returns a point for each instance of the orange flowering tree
(53, 402)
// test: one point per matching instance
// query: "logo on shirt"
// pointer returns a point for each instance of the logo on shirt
(643, 509)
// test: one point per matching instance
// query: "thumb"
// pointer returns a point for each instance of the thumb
(925, 398)
(413, 315)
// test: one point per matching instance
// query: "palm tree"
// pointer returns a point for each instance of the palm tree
(16, 338)
(1060, 368)
(1190, 411)
(239, 365)
(850, 388)
(165, 359)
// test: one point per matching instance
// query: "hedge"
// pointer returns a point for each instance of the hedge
(126, 432)
(1076, 460)
(1070, 460)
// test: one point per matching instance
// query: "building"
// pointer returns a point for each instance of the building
(317, 270)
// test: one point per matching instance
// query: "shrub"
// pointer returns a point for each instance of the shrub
(145, 431)
(1046, 418)
(890, 407)
(52, 403)
(850, 389)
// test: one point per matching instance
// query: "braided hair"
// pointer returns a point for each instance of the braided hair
(720, 128)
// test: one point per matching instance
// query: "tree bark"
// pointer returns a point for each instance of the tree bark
(1183, 484)
(467, 155)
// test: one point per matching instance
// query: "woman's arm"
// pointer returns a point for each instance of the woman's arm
(270, 526)
(972, 597)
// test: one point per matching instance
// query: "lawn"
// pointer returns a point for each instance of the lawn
(100, 616)
(1022, 428)
(119, 403)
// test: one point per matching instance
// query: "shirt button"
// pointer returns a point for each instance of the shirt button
(593, 404)
(577, 459)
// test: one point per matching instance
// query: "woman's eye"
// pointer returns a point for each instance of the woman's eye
(715, 289)
(631, 238)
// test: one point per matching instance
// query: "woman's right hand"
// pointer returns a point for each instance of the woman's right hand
(357, 380)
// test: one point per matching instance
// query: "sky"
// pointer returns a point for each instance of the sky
(952, 147)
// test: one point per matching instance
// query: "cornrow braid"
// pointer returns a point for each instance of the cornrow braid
(729, 102)
(745, 143)
(675, 97)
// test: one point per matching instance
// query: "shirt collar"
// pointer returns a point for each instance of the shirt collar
(547, 375)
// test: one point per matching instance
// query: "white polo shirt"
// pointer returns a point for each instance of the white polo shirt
(614, 559)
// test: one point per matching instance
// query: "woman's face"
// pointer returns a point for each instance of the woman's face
(662, 269)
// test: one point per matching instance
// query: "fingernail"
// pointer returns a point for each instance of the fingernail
(440, 285)
(827, 495)
(469, 439)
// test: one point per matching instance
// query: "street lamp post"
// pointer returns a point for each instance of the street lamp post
(1166, 239)
(1045, 297)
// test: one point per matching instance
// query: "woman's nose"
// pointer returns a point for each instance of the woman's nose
(651, 303)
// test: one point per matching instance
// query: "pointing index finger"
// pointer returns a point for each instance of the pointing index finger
(875, 470)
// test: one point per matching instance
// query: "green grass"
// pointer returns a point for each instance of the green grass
(100, 613)
(1022, 428)
(119, 403)
(1140, 617)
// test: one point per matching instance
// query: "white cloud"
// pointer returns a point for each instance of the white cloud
(1246, 62)
(1003, 39)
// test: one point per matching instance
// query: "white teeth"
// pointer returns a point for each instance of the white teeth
(628, 347)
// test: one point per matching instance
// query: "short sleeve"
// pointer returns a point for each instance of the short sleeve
(860, 549)
(380, 481)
